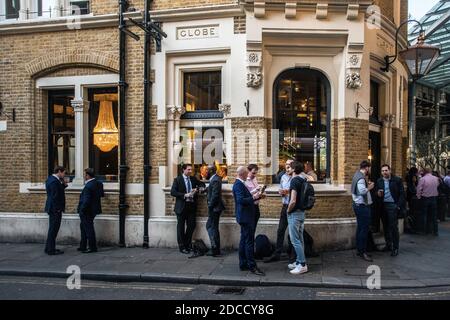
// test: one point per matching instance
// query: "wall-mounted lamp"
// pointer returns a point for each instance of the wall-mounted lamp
(3, 113)
(360, 109)
(419, 58)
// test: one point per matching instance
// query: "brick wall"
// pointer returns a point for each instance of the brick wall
(172, 4)
(240, 25)
(327, 206)
(353, 146)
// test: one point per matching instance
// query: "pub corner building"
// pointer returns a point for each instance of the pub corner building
(311, 70)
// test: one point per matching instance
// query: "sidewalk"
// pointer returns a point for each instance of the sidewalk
(423, 261)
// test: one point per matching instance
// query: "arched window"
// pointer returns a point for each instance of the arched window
(301, 113)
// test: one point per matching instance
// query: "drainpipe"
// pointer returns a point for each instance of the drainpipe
(123, 168)
(412, 123)
(147, 104)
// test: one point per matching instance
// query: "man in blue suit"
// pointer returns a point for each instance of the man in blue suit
(245, 210)
(55, 206)
(89, 206)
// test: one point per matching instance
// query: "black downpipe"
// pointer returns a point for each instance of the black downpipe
(147, 103)
(123, 168)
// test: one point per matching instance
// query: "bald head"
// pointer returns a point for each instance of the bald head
(242, 172)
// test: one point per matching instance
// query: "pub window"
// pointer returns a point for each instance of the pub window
(374, 102)
(198, 142)
(104, 133)
(61, 131)
(80, 7)
(202, 90)
(12, 8)
(301, 114)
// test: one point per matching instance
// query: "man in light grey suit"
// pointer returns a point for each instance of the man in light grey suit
(215, 208)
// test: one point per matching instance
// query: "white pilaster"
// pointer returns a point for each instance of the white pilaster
(80, 107)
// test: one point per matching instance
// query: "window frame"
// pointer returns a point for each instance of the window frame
(52, 95)
(201, 114)
(327, 87)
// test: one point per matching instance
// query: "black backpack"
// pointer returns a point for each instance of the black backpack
(199, 248)
(308, 198)
(263, 247)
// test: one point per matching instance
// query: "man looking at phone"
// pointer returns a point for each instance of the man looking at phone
(391, 195)
(285, 184)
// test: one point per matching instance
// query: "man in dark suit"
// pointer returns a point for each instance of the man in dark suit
(392, 201)
(245, 210)
(89, 206)
(185, 189)
(55, 206)
(215, 208)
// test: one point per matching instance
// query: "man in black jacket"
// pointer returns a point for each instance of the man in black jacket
(55, 206)
(391, 196)
(185, 189)
(215, 208)
(89, 206)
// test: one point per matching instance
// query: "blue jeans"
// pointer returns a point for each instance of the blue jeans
(296, 221)
(429, 213)
(363, 219)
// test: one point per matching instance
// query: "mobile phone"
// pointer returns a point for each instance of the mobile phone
(263, 188)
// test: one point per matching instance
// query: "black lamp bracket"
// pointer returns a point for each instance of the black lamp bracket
(359, 108)
(388, 60)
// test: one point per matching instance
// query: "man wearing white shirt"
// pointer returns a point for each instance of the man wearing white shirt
(361, 206)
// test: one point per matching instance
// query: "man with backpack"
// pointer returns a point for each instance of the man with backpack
(301, 199)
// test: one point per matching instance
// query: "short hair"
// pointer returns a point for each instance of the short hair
(298, 167)
(90, 172)
(59, 169)
(185, 166)
(212, 168)
(365, 164)
(240, 170)
(386, 165)
(252, 166)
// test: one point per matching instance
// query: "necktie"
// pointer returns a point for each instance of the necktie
(189, 187)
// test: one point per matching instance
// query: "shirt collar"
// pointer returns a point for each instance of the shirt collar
(185, 176)
(240, 180)
(87, 181)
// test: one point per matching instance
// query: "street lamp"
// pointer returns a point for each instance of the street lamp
(419, 58)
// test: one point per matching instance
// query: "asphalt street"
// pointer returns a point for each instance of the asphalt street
(31, 288)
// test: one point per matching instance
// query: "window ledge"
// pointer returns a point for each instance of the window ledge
(110, 188)
(321, 190)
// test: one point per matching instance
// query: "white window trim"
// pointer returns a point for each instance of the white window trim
(80, 84)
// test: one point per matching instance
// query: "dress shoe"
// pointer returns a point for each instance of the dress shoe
(386, 249)
(273, 258)
(365, 256)
(257, 271)
(54, 253)
(215, 254)
(81, 249)
(394, 253)
(185, 251)
(244, 268)
(89, 251)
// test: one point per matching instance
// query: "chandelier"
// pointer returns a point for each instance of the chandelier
(106, 134)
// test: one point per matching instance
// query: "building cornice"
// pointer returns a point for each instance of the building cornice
(198, 13)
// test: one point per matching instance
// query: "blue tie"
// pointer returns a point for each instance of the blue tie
(189, 187)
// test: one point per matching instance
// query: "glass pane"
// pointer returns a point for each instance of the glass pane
(203, 148)
(12, 8)
(202, 90)
(302, 120)
(103, 133)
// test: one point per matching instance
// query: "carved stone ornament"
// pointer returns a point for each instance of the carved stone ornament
(225, 108)
(175, 112)
(254, 79)
(353, 80)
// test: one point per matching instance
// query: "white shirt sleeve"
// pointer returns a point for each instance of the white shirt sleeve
(362, 187)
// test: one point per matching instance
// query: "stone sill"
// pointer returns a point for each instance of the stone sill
(321, 190)
(109, 188)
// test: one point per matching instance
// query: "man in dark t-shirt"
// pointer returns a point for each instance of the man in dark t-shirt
(296, 219)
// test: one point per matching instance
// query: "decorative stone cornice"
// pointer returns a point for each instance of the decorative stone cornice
(290, 10)
(352, 11)
(259, 9)
(387, 119)
(322, 11)
(175, 112)
(225, 108)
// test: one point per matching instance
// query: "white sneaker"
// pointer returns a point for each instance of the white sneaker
(299, 269)
(292, 265)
